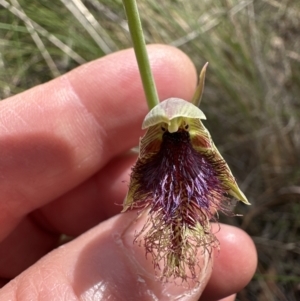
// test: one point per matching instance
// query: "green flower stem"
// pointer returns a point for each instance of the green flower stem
(136, 31)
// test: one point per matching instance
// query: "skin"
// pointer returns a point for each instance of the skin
(65, 167)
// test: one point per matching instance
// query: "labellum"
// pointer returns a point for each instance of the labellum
(180, 181)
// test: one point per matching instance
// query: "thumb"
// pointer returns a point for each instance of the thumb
(101, 264)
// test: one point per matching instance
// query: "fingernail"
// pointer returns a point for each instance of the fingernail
(148, 277)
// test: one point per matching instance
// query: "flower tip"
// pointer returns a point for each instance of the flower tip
(238, 194)
(203, 71)
(244, 200)
(196, 100)
(128, 201)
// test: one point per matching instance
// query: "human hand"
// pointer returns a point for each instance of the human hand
(65, 165)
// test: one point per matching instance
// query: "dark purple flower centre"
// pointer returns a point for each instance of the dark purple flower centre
(178, 180)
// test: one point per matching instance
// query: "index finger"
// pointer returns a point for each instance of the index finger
(56, 135)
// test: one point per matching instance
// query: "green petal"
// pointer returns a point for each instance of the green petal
(129, 198)
(149, 145)
(151, 141)
(202, 142)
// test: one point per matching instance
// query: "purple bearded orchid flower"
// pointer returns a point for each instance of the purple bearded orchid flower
(180, 181)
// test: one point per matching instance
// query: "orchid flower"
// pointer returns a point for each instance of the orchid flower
(180, 181)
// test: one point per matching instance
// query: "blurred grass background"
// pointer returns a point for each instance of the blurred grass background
(251, 97)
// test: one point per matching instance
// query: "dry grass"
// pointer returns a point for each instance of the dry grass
(251, 97)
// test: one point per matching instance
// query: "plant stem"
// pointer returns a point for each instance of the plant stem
(136, 31)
